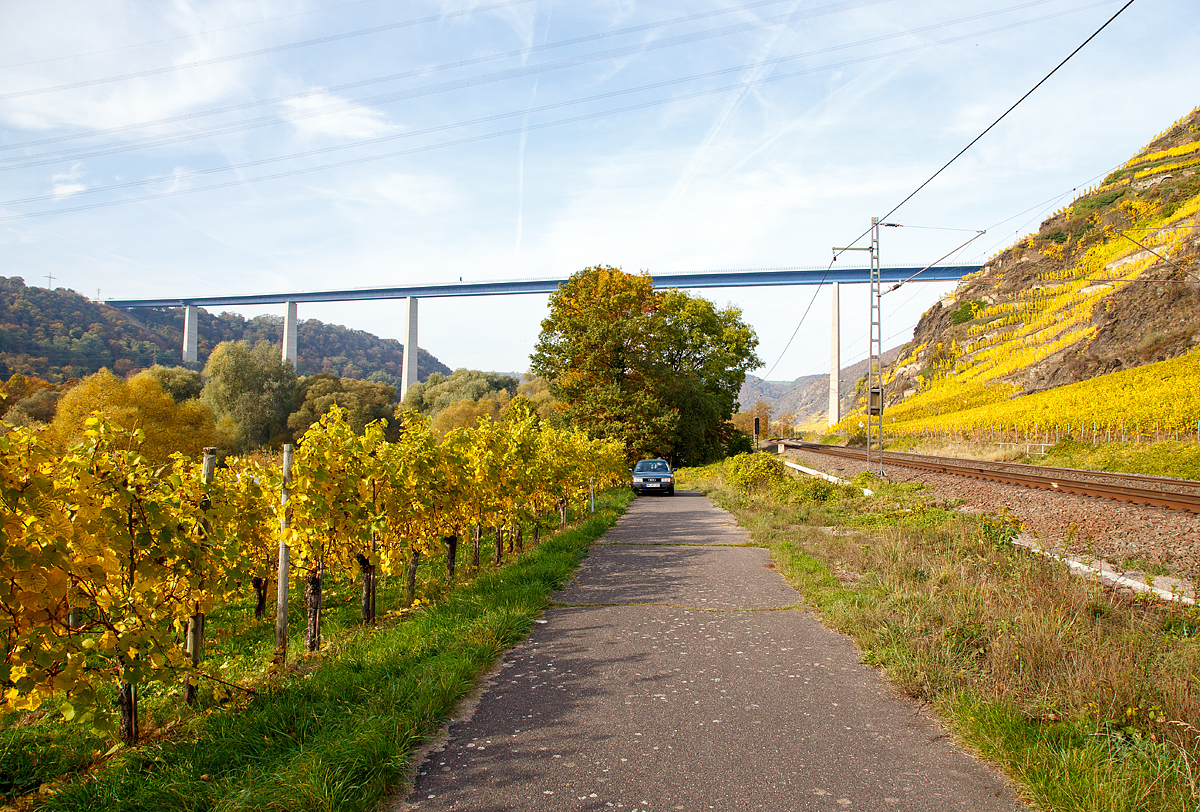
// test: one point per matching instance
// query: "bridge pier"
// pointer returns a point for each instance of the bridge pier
(191, 315)
(289, 334)
(408, 374)
(835, 363)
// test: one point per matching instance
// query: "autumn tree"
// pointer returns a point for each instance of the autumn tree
(659, 371)
(25, 400)
(466, 413)
(137, 403)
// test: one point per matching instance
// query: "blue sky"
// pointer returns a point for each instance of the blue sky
(191, 153)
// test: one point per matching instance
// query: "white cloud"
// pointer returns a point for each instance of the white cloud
(353, 122)
(68, 183)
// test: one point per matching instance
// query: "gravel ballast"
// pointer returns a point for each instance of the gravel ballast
(1083, 525)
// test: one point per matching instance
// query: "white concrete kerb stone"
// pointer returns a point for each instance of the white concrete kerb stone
(825, 476)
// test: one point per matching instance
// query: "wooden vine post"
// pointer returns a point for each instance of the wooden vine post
(195, 629)
(281, 598)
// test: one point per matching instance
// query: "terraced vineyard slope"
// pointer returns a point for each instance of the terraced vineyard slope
(1108, 284)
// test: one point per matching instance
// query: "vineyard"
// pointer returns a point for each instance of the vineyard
(1107, 283)
(1148, 403)
(110, 566)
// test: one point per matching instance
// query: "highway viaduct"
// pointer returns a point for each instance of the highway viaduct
(834, 276)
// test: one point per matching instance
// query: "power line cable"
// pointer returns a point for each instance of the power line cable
(959, 154)
(485, 136)
(521, 52)
(1003, 115)
(978, 234)
(451, 85)
(817, 290)
(175, 178)
(271, 120)
(184, 36)
(274, 49)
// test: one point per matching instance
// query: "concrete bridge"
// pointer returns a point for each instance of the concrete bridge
(412, 293)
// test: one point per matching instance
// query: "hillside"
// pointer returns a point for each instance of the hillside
(58, 334)
(807, 397)
(1108, 283)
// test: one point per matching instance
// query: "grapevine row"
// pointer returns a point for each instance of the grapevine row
(109, 564)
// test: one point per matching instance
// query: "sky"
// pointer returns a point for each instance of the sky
(174, 148)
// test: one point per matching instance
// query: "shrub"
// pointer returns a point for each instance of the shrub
(754, 473)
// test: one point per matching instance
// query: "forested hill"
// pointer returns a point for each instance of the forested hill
(58, 334)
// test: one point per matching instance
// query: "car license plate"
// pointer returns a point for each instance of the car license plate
(651, 484)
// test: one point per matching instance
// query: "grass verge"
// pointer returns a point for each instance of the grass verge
(1088, 698)
(335, 732)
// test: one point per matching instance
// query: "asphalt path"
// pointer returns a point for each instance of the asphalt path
(680, 672)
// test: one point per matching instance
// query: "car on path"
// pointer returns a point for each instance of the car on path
(652, 476)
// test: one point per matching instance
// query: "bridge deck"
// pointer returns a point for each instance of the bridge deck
(699, 279)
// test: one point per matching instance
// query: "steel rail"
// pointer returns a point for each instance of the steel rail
(1155, 491)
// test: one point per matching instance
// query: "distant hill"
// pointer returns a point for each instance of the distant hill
(807, 397)
(58, 334)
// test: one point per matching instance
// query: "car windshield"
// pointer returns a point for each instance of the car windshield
(652, 467)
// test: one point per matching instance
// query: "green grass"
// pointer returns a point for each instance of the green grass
(334, 732)
(1087, 698)
(1166, 458)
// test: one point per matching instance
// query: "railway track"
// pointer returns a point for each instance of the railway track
(1156, 491)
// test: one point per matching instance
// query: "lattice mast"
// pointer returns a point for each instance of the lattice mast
(875, 369)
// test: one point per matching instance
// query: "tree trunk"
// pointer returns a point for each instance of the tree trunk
(511, 535)
(537, 533)
(195, 650)
(475, 534)
(413, 559)
(312, 605)
(499, 544)
(562, 514)
(127, 705)
(451, 543)
(260, 596)
(367, 570)
(520, 537)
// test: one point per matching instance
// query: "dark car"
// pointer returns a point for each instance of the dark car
(653, 476)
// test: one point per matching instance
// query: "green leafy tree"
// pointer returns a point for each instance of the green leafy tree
(704, 355)
(180, 383)
(251, 391)
(440, 391)
(363, 401)
(659, 371)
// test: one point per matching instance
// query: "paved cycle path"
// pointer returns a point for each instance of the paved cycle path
(678, 673)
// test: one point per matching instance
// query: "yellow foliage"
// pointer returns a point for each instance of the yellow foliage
(136, 404)
(136, 548)
(1166, 393)
(1173, 152)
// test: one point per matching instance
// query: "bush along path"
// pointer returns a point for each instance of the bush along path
(1087, 697)
(336, 731)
